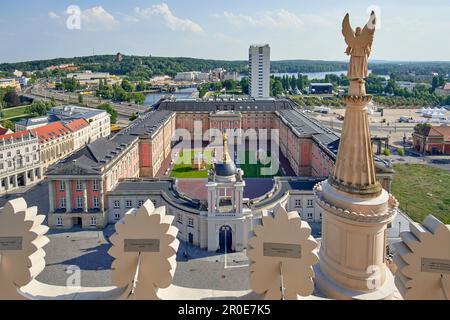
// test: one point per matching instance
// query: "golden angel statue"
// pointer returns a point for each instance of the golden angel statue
(359, 46)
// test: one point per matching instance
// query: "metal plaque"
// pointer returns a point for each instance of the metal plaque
(435, 265)
(10, 243)
(141, 245)
(282, 250)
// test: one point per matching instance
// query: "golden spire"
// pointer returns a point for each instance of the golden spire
(226, 156)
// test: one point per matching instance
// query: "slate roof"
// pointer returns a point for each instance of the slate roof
(93, 157)
(147, 124)
(304, 126)
(226, 104)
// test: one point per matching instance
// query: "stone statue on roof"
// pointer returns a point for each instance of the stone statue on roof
(359, 46)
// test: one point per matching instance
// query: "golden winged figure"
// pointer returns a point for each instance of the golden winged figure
(359, 46)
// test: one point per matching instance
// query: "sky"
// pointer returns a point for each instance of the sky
(415, 30)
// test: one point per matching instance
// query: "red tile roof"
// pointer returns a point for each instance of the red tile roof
(77, 124)
(15, 135)
(440, 131)
(446, 86)
(3, 131)
(51, 131)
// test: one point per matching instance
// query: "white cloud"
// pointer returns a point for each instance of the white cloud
(53, 15)
(276, 19)
(173, 22)
(92, 19)
(97, 18)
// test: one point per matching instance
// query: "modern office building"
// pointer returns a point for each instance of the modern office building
(259, 71)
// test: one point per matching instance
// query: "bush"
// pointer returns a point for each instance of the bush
(386, 152)
(400, 152)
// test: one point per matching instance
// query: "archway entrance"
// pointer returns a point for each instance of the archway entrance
(225, 239)
(191, 238)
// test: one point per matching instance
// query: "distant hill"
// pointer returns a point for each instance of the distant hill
(143, 68)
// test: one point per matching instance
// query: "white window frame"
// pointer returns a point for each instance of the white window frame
(140, 203)
(191, 222)
(94, 185)
(129, 204)
(117, 216)
(79, 202)
(62, 185)
(310, 203)
(79, 185)
(95, 202)
(298, 203)
(62, 202)
(116, 204)
(59, 221)
(93, 221)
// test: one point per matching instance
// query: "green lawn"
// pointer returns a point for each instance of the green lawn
(14, 112)
(422, 190)
(183, 167)
(253, 168)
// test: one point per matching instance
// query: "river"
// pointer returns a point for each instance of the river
(152, 98)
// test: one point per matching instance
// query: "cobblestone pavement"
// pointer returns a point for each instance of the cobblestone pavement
(35, 195)
(87, 250)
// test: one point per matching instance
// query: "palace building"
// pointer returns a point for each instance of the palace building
(99, 183)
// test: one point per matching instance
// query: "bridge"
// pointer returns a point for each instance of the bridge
(125, 109)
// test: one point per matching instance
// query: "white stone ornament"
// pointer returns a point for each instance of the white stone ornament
(282, 254)
(21, 242)
(423, 261)
(144, 247)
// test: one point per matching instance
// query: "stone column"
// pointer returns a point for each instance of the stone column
(25, 178)
(51, 195)
(14, 183)
(211, 187)
(217, 199)
(32, 175)
(102, 195)
(85, 197)
(68, 195)
(239, 197)
(7, 183)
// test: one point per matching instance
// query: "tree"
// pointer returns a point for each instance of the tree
(127, 86)
(141, 86)
(8, 124)
(39, 108)
(138, 98)
(230, 85)
(11, 98)
(53, 101)
(277, 87)
(245, 84)
(133, 117)
(113, 113)
(119, 94)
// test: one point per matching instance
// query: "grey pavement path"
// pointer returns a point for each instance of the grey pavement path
(35, 195)
(87, 250)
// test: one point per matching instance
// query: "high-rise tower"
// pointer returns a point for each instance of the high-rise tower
(259, 71)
